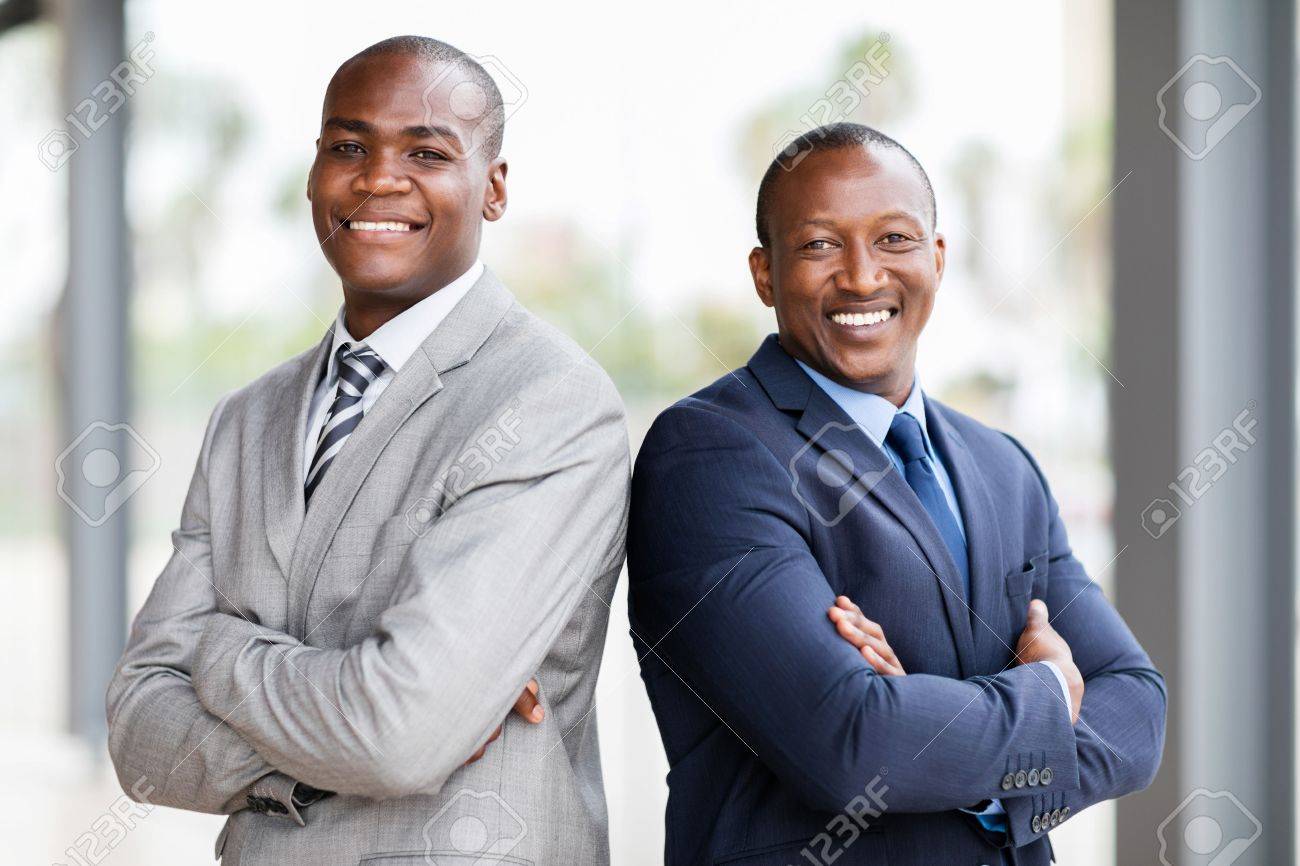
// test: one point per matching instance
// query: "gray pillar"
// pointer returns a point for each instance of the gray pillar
(1204, 321)
(102, 459)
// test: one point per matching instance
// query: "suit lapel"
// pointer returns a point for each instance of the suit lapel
(829, 429)
(983, 541)
(450, 345)
(282, 453)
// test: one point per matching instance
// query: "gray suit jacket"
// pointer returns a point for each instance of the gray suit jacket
(468, 537)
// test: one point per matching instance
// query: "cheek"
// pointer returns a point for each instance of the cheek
(451, 196)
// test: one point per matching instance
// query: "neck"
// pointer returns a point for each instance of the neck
(895, 386)
(367, 310)
(364, 321)
(898, 395)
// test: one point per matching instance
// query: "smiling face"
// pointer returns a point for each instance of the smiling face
(399, 189)
(852, 266)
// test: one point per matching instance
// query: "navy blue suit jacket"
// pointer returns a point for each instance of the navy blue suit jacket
(754, 503)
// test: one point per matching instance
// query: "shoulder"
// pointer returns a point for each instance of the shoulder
(539, 362)
(255, 398)
(730, 416)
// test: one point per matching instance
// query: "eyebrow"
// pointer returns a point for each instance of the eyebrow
(830, 223)
(363, 127)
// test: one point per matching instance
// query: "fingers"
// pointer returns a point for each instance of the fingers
(884, 666)
(482, 750)
(527, 706)
(844, 603)
(844, 608)
(864, 634)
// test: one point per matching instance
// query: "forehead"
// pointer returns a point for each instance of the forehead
(396, 90)
(852, 183)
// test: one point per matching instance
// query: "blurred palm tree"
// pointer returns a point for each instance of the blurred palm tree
(882, 98)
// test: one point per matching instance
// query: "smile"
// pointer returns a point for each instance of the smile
(386, 226)
(862, 320)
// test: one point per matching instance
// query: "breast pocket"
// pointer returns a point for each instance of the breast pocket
(1030, 579)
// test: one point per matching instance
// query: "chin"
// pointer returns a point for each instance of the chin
(374, 282)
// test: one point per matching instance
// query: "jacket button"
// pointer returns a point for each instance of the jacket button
(1045, 820)
(1037, 824)
(1056, 817)
(1045, 777)
(1021, 778)
(1008, 782)
(1033, 778)
(1065, 813)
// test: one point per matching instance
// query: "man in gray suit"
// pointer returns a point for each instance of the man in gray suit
(389, 538)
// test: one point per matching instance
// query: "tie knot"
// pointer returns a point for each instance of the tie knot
(359, 365)
(906, 438)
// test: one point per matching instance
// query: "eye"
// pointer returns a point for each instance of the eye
(819, 244)
(431, 155)
(896, 238)
(347, 147)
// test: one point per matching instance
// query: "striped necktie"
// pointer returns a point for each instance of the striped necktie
(358, 367)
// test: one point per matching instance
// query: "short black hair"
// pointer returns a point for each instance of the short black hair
(433, 51)
(833, 136)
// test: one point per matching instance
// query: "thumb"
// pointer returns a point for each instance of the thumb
(1037, 614)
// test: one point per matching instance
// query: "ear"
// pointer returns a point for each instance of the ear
(940, 257)
(760, 268)
(494, 195)
(312, 171)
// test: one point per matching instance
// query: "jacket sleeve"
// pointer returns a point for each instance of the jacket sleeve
(166, 748)
(480, 599)
(1120, 734)
(724, 587)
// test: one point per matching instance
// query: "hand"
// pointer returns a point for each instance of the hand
(1039, 642)
(866, 635)
(527, 707)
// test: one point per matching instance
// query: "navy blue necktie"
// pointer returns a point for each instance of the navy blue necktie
(906, 438)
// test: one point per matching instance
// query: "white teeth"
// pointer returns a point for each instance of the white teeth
(859, 320)
(389, 226)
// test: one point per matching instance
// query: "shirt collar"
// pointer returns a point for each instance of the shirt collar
(396, 340)
(873, 413)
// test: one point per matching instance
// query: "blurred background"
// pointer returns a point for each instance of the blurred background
(1119, 296)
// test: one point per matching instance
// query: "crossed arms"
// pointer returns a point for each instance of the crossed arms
(710, 500)
(205, 703)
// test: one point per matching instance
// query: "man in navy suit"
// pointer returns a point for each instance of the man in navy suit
(840, 588)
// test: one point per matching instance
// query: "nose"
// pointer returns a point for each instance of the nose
(863, 273)
(381, 175)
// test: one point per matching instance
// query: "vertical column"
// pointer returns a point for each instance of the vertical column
(1203, 437)
(1144, 434)
(93, 359)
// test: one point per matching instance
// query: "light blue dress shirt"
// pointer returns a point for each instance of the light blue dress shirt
(874, 414)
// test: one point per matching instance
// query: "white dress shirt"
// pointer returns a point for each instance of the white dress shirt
(394, 341)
